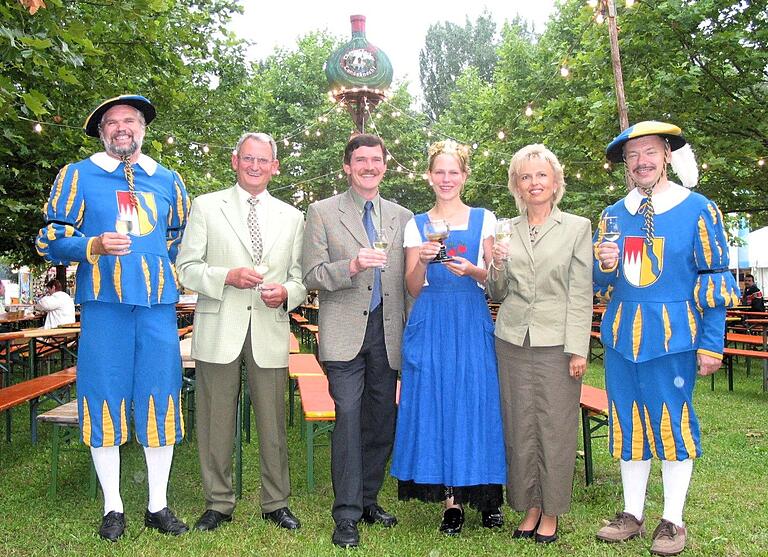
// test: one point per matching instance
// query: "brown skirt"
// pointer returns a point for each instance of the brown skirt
(540, 410)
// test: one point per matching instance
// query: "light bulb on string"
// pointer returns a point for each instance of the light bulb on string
(761, 162)
(37, 128)
(339, 175)
(503, 162)
(206, 149)
(170, 140)
(486, 153)
(592, 3)
(704, 166)
(529, 110)
(599, 18)
(564, 71)
(474, 146)
(306, 132)
(335, 191)
(501, 134)
(578, 175)
(286, 142)
(629, 3)
(607, 166)
(208, 175)
(397, 142)
(317, 133)
(410, 175)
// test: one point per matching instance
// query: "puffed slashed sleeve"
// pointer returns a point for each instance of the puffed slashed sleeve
(178, 213)
(603, 279)
(715, 288)
(60, 240)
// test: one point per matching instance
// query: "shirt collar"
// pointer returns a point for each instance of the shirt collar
(110, 164)
(662, 202)
(243, 195)
(360, 202)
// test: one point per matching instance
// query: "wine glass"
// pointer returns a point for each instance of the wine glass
(261, 268)
(124, 223)
(610, 228)
(381, 241)
(437, 231)
(504, 233)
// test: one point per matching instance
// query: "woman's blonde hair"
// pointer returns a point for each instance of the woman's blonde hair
(450, 147)
(534, 151)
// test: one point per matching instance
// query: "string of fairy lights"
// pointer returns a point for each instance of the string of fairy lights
(312, 129)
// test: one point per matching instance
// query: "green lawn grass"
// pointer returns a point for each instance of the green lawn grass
(726, 510)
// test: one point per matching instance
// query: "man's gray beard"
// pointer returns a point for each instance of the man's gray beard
(121, 151)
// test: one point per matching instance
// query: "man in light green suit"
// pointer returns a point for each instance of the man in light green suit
(242, 255)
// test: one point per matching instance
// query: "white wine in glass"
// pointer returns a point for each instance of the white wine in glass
(381, 241)
(261, 268)
(123, 224)
(438, 231)
(611, 230)
(503, 233)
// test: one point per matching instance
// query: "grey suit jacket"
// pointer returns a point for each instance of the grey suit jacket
(216, 241)
(546, 289)
(333, 236)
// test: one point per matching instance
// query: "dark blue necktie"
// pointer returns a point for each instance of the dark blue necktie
(371, 231)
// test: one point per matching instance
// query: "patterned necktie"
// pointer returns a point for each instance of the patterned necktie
(254, 229)
(371, 231)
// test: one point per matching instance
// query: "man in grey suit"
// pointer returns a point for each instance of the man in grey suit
(243, 258)
(362, 312)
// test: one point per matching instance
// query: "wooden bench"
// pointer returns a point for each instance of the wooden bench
(319, 415)
(297, 320)
(730, 353)
(46, 386)
(65, 429)
(307, 332)
(594, 416)
(594, 344)
(299, 365)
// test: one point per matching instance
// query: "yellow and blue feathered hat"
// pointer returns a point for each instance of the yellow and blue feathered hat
(91, 125)
(670, 132)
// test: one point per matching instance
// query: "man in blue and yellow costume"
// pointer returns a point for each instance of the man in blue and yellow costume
(120, 215)
(668, 281)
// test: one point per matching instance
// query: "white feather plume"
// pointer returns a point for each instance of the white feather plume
(684, 164)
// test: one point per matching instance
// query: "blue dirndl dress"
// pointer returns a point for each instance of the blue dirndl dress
(449, 439)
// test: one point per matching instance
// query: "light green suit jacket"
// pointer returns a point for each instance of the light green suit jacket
(215, 241)
(545, 289)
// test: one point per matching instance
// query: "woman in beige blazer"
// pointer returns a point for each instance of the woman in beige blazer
(542, 275)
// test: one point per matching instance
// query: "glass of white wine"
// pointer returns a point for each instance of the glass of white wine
(261, 268)
(124, 223)
(438, 231)
(504, 233)
(381, 242)
(610, 226)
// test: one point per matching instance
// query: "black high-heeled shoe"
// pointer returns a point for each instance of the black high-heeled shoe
(492, 519)
(526, 534)
(453, 519)
(540, 538)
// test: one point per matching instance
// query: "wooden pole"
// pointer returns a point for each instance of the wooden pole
(618, 79)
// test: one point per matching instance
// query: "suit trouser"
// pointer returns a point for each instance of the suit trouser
(363, 390)
(217, 389)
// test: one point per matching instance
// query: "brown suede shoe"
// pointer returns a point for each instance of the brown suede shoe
(621, 528)
(668, 539)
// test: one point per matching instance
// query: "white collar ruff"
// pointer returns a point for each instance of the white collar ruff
(105, 162)
(662, 202)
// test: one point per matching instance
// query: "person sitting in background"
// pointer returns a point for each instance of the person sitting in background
(57, 305)
(752, 295)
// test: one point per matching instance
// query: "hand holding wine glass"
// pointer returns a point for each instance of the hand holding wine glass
(503, 235)
(261, 268)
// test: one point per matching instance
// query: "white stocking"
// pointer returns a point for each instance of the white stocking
(158, 470)
(634, 479)
(676, 475)
(106, 460)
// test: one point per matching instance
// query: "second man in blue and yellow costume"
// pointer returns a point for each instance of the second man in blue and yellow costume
(120, 215)
(669, 284)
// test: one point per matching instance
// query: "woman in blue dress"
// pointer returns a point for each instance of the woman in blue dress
(449, 444)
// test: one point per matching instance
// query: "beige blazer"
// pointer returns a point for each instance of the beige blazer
(333, 237)
(215, 241)
(546, 289)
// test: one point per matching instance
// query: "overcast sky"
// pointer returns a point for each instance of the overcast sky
(396, 26)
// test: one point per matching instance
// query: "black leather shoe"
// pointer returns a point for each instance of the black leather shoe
(165, 521)
(345, 534)
(211, 520)
(492, 519)
(283, 518)
(453, 519)
(526, 534)
(539, 538)
(375, 514)
(112, 526)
